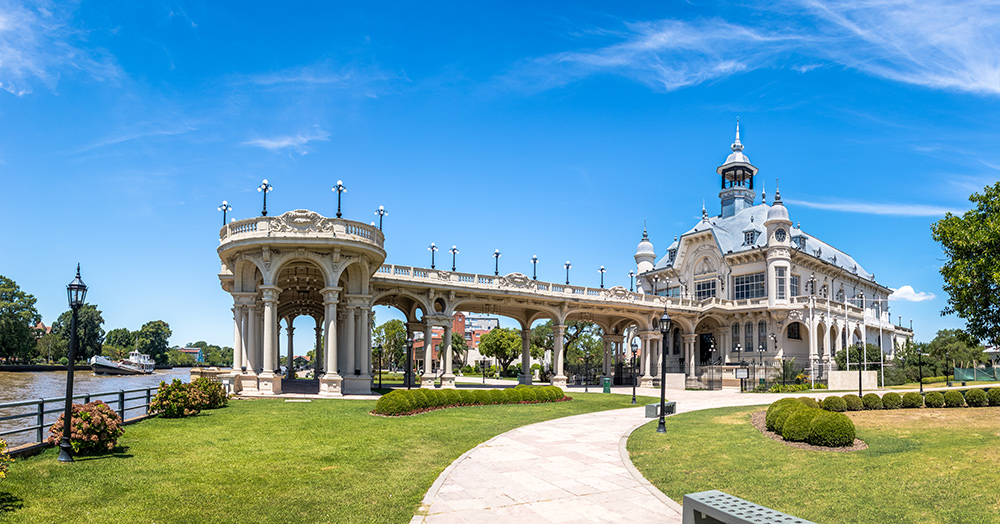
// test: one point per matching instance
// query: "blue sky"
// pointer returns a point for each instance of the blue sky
(549, 130)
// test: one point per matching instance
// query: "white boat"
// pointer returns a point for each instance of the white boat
(136, 364)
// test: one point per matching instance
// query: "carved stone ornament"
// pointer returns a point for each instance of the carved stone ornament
(617, 292)
(301, 221)
(795, 315)
(516, 280)
(705, 267)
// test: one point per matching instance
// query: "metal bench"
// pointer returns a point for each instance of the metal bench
(716, 507)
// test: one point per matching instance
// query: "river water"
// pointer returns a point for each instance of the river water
(34, 385)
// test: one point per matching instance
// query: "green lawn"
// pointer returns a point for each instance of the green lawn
(923, 466)
(970, 384)
(268, 461)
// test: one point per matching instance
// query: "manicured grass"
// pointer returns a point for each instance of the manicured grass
(923, 466)
(268, 461)
(971, 383)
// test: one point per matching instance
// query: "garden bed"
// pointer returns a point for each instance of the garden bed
(757, 419)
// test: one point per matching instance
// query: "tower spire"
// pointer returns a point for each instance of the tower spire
(777, 192)
(763, 193)
(737, 146)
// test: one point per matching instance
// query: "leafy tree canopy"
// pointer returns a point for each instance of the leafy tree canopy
(152, 340)
(503, 344)
(459, 349)
(89, 330)
(971, 272)
(120, 337)
(392, 336)
(18, 318)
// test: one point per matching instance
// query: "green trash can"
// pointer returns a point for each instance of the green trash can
(607, 384)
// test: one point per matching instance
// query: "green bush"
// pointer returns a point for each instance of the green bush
(395, 402)
(872, 401)
(4, 459)
(811, 402)
(912, 400)
(976, 398)
(954, 399)
(784, 413)
(934, 399)
(854, 402)
(831, 429)
(892, 400)
(484, 396)
(94, 427)
(933, 380)
(453, 397)
(798, 425)
(512, 396)
(556, 393)
(834, 403)
(776, 408)
(529, 394)
(215, 395)
(64, 361)
(466, 397)
(403, 402)
(993, 396)
(177, 400)
(497, 396)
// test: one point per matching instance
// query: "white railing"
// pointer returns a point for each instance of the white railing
(301, 223)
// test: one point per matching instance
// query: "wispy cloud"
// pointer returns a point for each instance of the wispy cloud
(38, 45)
(879, 208)
(136, 135)
(291, 143)
(936, 43)
(365, 80)
(908, 294)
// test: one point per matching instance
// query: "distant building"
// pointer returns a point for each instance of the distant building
(472, 328)
(194, 352)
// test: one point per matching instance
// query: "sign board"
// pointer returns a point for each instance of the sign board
(742, 373)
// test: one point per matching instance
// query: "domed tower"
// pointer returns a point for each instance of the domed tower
(779, 253)
(737, 180)
(645, 257)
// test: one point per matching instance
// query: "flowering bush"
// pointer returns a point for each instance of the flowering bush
(178, 400)
(94, 427)
(4, 459)
(214, 393)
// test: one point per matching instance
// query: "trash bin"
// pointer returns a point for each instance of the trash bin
(607, 384)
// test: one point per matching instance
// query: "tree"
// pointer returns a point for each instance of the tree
(972, 271)
(120, 337)
(176, 358)
(90, 334)
(873, 356)
(51, 347)
(503, 344)
(459, 350)
(392, 336)
(152, 340)
(952, 347)
(18, 317)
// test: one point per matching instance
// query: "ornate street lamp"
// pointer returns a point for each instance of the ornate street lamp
(76, 291)
(601, 271)
(812, 284)
(567, 265)
(635, 349)
(265, 188)
(631, 280)
(409, 361)
(496, 267)
(341, 189)
(453, 251)
(534, 267)
(665, 323)
(379, 353)
(433, 249)
(381, 212)
(225, 207)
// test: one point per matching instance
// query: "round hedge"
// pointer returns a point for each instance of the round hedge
(497, 397)
(402, 401)
(954, 399)
(854, 402)
(393, 403)
(777, 408)
(872, 401)
(892, 400)
(798, 425)
(811, 402)
(993, 396)
(934, 399)
(452, 396)
(912, 400)
(835, 403)
(529, 394)
(784, 413)
(976, 398)
(512, 396)
(483, 396)
(831, 429)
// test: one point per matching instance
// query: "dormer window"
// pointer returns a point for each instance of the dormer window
(671, 255)
(750, 237)
(799, 242)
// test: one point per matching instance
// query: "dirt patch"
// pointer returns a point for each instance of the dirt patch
(757, 419)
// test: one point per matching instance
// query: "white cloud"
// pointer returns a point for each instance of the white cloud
(907, 293)
(296, 143)
(878, 208)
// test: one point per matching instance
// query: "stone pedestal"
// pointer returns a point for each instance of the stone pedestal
(646, 381)
(357, 385)
(558, 380)
(447, 381)
(524, 379)
(329, 385)
(427, 381)
(268, 383)
(247, 383)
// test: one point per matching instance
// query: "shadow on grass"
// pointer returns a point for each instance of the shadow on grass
(9, 503)
(120, 452)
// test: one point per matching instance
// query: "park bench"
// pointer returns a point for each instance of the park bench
(716, 507)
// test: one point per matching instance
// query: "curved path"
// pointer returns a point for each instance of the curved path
(573, 469)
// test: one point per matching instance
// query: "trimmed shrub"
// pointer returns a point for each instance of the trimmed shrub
(811, 402)
(484, 396)
(529, 394)
(976, 398)
(834, 403)
(776, 408)
(854, 402)
(798, 425)
(497, 396)
(395, 402)
(453, 397)
(555, 392)
(512, 396)
(912, 400)
(993, 396)
(784, 413)
(871, 401)
(892, 400)
(94, 427)
(954, 399)
(214, 393)
(934, 399)
(831, 429)
(177, 400)
(4, 459)
(404, 402)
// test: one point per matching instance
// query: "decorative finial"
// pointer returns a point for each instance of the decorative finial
(704, 212)
(737, 146)
(763, 193)
(777, 192)
(645, 236)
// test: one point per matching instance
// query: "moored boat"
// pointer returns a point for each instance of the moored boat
(136, 364)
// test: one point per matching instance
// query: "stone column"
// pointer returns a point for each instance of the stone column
(291, 350)
(525, 377)
(330, 383)
(350, 340)
(689, 344)
(646, 381)
(606, 363)
(259, 337)
(559, 379)
(237, 338)
(366, 342)
(268, 382)
(427, 379)
(448, 378)
(320, 348)
(248, 379)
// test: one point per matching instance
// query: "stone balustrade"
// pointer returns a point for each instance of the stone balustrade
(301, 224)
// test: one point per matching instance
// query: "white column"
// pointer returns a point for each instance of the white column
(259, 338)
(291, 349)
(558, 330)
(350, 341)
(366, 343)
(269, 383)
(237, 338)
(525, 377)
(427, 379)
(270, 336)
(330, 384)
(448, 378)
(606, 362)
(250, 344)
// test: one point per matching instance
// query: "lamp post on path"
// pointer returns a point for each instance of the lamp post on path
(664, 330)
(76, 291)
(635, 349)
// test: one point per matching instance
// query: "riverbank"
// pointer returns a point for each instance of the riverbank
(20, 368)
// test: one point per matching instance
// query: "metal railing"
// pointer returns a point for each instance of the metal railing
(44, 412)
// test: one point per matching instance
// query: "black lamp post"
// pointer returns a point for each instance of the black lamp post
(433, 249)
(341, 189)
(631, 281)
(496, 266)
(920, 371)
(601, 271)
(409, 361)
(76, 291)
(265, 188)
(635, 349)
(567, 265)
(381, 212)
(812, 284)
(380, 366)
(534, 267)
(225, 207)
(664, 330)
(453, 251)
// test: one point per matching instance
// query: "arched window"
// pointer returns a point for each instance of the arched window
(736, 335)
(748, 337)
(762, 335)
(794, 331)
(677, 341)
